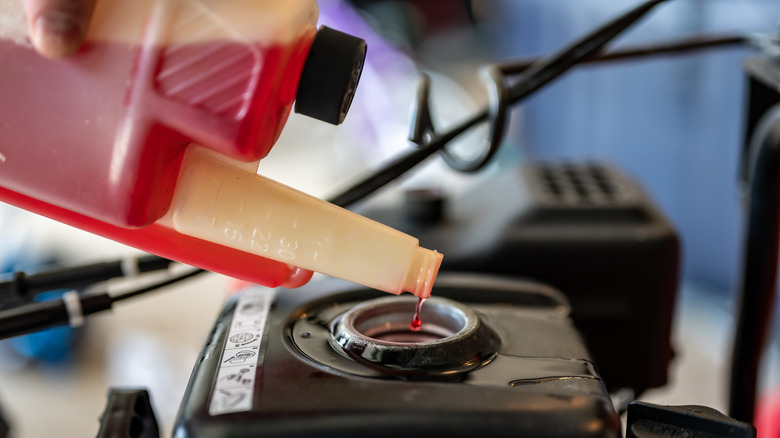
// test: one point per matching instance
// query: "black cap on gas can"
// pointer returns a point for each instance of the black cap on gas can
(330, 75)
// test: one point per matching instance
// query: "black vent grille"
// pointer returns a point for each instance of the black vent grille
(571, 183)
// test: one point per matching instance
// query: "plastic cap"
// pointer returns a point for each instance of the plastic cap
(330, 76)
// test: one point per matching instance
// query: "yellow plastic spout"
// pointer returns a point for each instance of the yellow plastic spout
(233, 206)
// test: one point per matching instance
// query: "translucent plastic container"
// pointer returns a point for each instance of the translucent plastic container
(103, 132)
(97, 140)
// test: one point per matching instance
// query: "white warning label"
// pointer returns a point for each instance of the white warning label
(243, 353)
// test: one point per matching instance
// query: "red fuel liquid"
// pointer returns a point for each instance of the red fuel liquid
(96, 140)
(416, 321)
(109, 145)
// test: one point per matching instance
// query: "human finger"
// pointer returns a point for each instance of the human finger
(58, 27)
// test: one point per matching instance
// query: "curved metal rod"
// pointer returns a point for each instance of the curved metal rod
(496, 80)
(759, 274)
(498, 105)
(533, 78)
(422, 130)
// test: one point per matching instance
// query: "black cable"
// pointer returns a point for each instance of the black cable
(675, 47)
(545, 70)
(555, 66)
(22, 286)
(34, 317)
(537, 75)
(39, 316)
(398, 167)
(160, 284)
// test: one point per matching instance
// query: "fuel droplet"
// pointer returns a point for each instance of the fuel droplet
(416, 321)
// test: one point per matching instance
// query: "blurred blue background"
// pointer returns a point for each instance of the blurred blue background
(674, 123)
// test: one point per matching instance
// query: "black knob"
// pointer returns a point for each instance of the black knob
(330, 75)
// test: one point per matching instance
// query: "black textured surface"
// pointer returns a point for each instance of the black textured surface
(646, 420)
(128, 414)
(330, 76)
(586, 229)
(557, 395)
